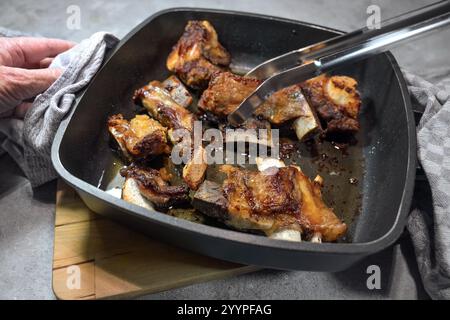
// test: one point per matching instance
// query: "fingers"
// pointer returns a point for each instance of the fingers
(45, 63)
(21, 110)
(18, 84)
(28, 52)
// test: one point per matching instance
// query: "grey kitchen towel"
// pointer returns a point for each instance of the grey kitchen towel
(29, 141)
(429, 227)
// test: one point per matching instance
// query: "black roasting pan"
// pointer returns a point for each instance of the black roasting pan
(81, 152)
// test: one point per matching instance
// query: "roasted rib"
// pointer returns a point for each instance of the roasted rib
(197, 54)
(151, 186)
(288, 104)
(132, 194)
(161, 106)
(284, 105)
(281, 202)
(141, 137)
(336, 101)
(226, 91)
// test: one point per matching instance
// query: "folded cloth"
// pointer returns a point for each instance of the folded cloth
(29, 141)
(429, 227)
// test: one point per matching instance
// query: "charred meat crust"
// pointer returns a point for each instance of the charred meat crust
(267, 205)
(153, 187)
(225, 92)
(198, 54)
(280, 198)
(323, 92)
(152, 144)
(266, 200)
(162, 107)
(141, 137)
(197, 74)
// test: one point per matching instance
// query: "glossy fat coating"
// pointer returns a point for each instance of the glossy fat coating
(141, 137)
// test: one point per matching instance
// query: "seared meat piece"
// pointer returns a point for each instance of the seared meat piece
(225, 92)
(336, 101)
(268, 202)
(175, 88)
(210, 200)
(283, 105)
(281, 202)
(197, 54)
(153, 187)
(162, 107)
(280, 198)
(131, 193)
(194, 171)
(287, 104)
(139, 138)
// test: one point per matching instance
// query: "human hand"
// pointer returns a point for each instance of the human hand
(24, 71)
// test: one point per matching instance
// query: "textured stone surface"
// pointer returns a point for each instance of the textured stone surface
(26, 217)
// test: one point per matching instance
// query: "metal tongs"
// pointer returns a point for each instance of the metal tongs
(305, 63)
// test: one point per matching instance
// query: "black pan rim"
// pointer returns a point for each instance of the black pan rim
(237, 237)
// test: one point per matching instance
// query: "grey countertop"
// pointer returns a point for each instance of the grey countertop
(27, 216)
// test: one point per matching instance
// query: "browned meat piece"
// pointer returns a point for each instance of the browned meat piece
(336, 101)
(281, 198)
(139, 138)
(197, 54)
(265, 202)
(153, 187)
(176, 89)
(284, 105)
(162, 107)
(194, 171)
(225, 92)
(287, 104)
(281, 202)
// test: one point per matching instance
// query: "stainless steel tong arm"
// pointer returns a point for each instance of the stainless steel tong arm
(305, 63)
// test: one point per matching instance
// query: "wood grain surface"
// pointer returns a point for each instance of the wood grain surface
(96, 258)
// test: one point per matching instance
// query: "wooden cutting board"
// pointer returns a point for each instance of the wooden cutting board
(95, 257)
